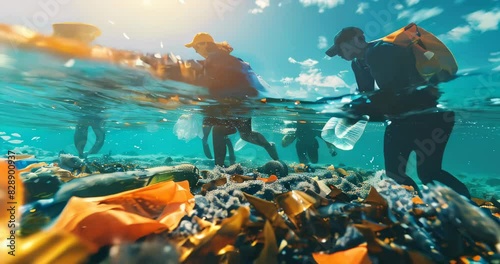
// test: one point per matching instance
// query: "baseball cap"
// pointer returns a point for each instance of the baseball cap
(199, 38)
(344, 35)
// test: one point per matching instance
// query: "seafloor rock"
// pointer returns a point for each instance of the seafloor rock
(43, 186)
(233, 169)
(70, 162)
(169, 160)
(275, 167)
(442, 231)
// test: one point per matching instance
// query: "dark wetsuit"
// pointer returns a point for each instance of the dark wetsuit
(227, 77)
(393, 68)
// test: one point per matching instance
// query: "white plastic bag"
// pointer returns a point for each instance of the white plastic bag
(342, 133)
(189, 126)
(239, 144)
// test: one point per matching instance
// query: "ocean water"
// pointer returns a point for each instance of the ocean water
(42, 96)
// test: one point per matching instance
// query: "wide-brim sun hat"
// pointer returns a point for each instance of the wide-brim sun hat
(76, 30)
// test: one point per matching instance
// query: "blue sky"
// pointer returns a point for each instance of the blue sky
(285, 40)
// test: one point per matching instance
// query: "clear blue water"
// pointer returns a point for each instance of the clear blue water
(39, 94)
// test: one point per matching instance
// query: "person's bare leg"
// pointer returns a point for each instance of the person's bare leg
(246, 133)
(80, 138)
(219, 139)
(100, 135)
(230, 150)
(204, 140)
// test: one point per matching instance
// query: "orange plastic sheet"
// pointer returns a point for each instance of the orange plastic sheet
(25, 38)
(357, 255)
(19, 37)
(271, 179)
(126, 216)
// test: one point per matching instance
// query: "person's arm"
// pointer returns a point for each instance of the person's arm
(366, 83)
(331, 148)
(364, 79)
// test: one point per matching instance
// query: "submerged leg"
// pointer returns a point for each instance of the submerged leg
(219, 137)
(204, 141)
(312, 150)
(244, 125)
(301, 148)
(230, 150)
(100, 134)
(433, 137)
(398, 144)
(80, 137)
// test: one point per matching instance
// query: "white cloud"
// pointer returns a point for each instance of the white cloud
(494, 59)
(314, 78)
(495, 53)
(412, 2)
(404, 14)
(306, 63)
(312, 83)
(497, 68)
(300, 93)
(484, 21)
(478, 21)
(261, 5)
(398, 7)
(420, 15)
(458, 34)
(362, 7)
(322, 4)
(322, 42)
(286, 80)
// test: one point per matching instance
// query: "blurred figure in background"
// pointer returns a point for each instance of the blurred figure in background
(307, 145)
(228, 79)
(208, 125)
(90, 109)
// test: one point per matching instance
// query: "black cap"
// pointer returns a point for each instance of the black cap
(345, 34)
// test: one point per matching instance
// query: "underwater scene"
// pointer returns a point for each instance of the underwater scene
(231, 131)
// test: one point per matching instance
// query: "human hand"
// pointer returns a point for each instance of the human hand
(287, 140)
(193, 65)
(333, 152)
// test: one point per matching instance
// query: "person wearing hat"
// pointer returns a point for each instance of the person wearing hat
(90, 109)
(226, 76)
(416, 124)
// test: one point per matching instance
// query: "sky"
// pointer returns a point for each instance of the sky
(284, 40)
